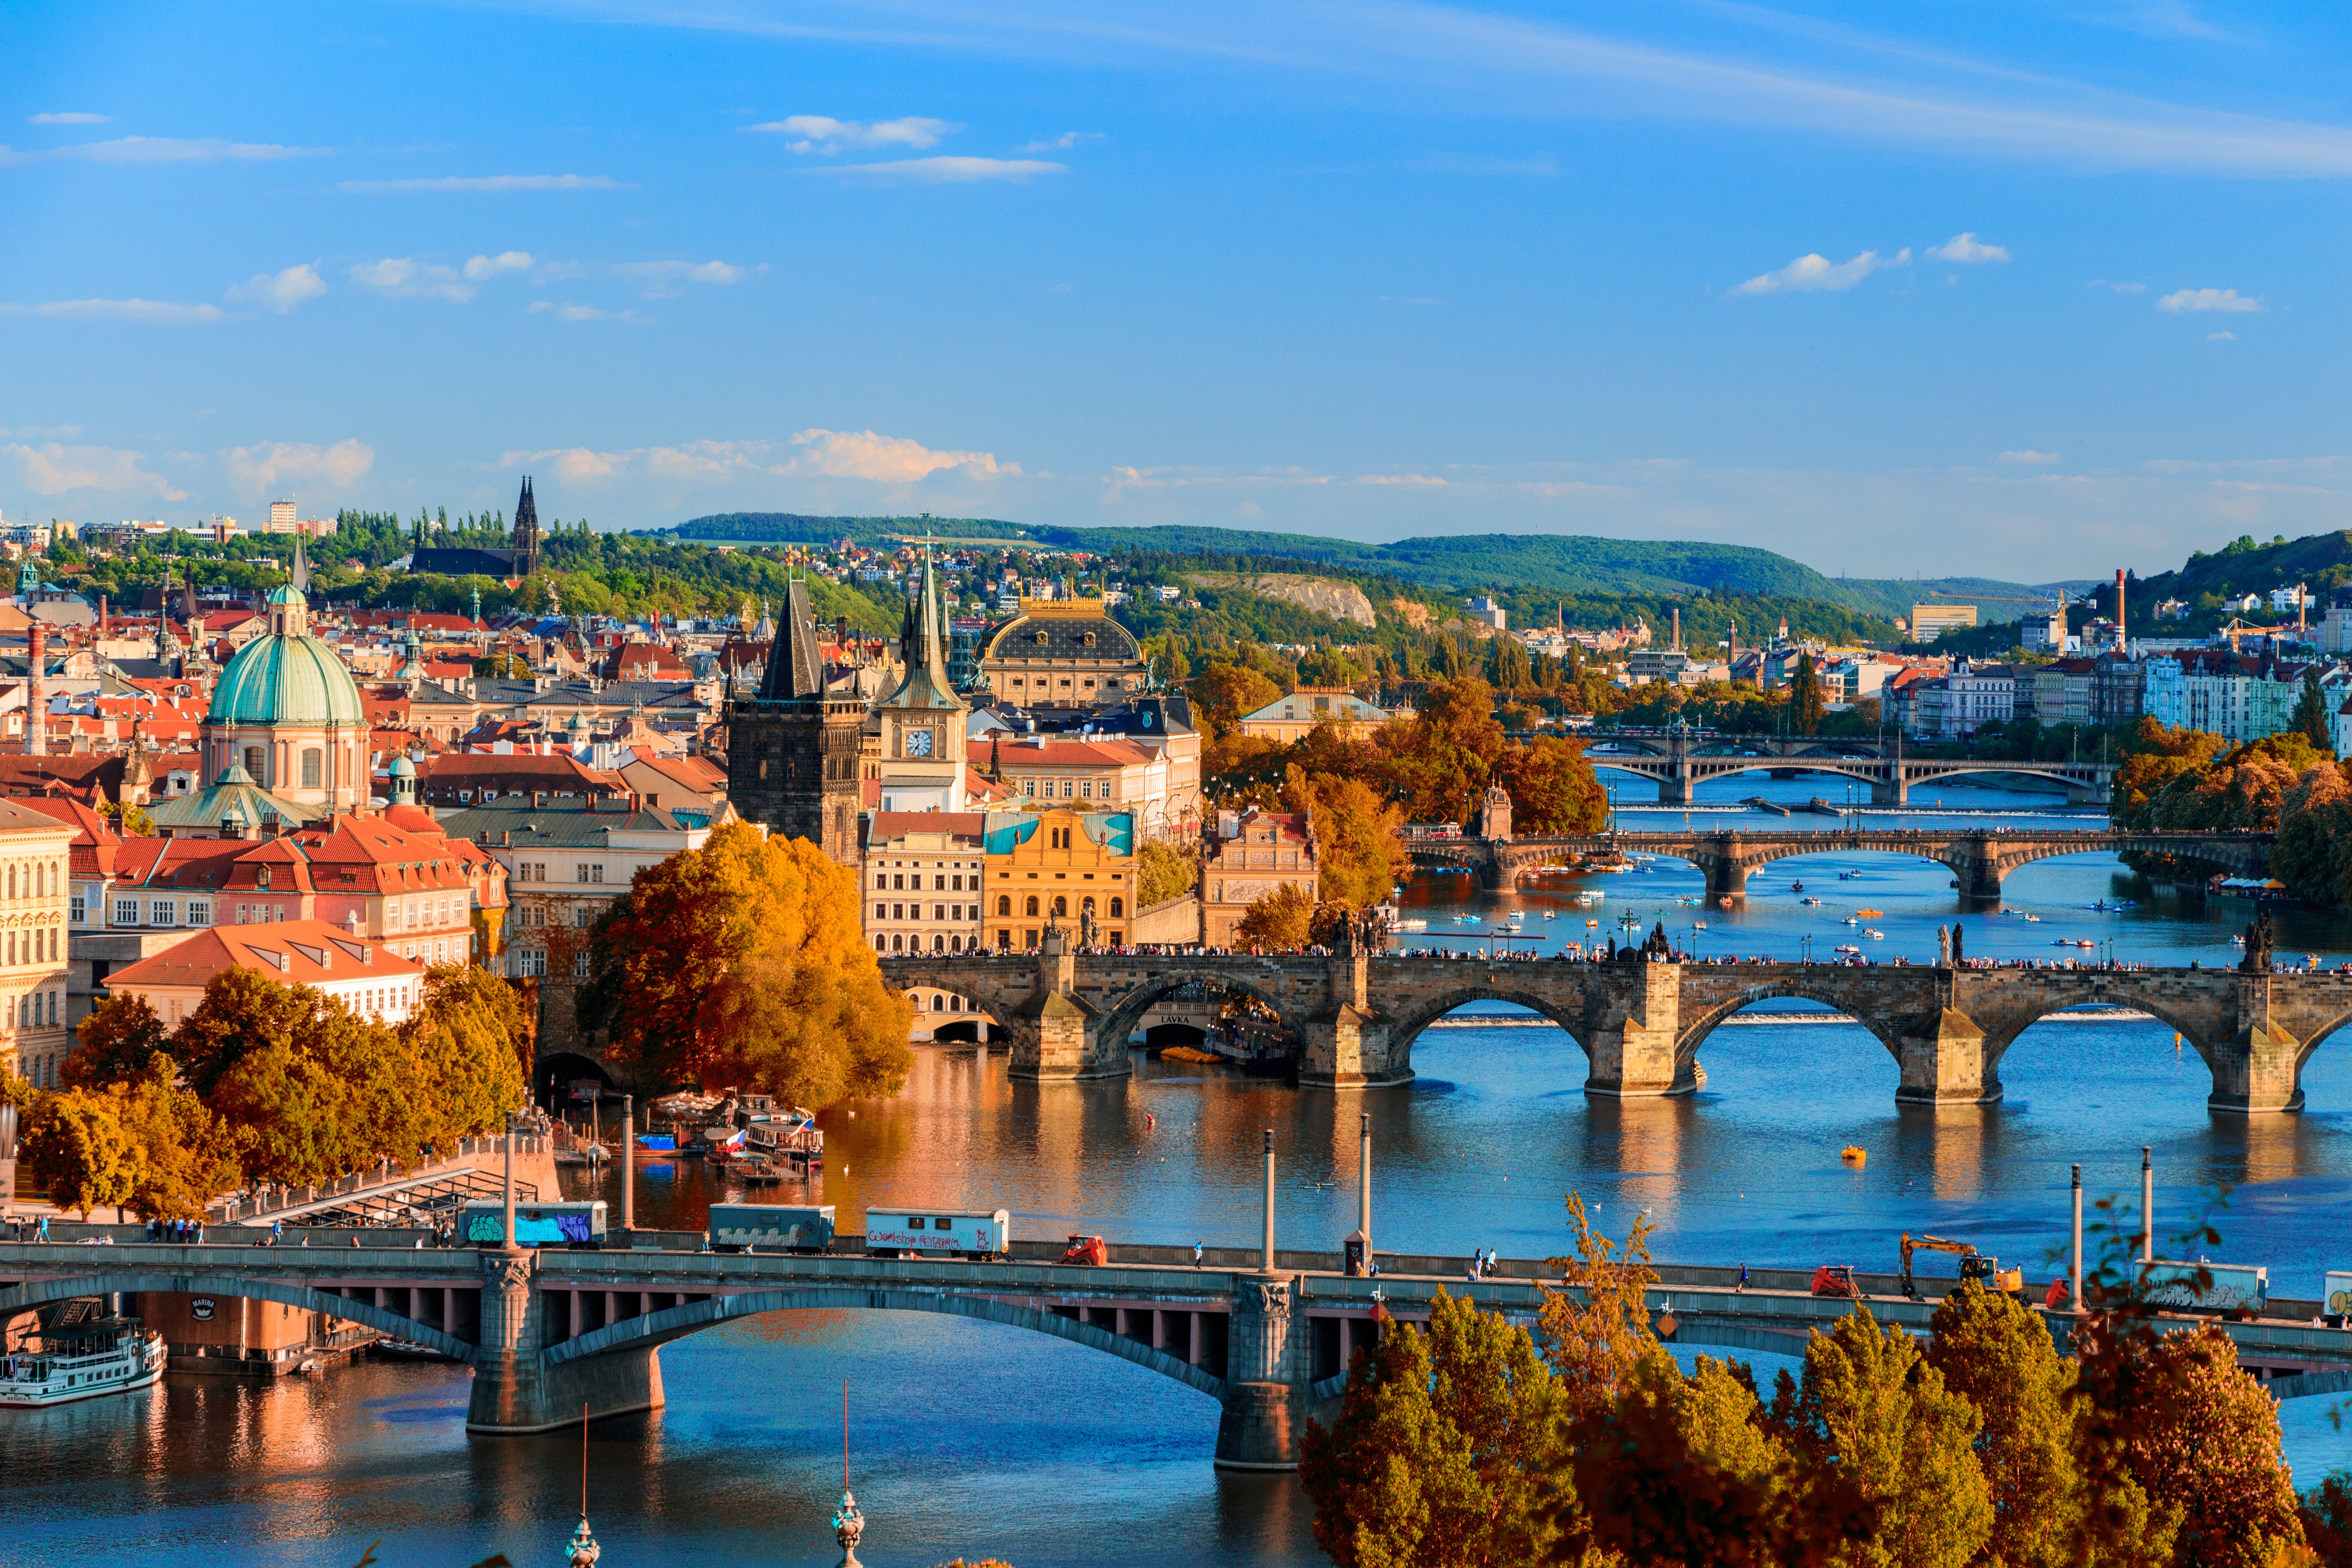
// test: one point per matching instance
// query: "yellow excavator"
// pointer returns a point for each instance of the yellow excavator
(1985, 1269)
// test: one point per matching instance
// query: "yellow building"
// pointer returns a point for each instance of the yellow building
(34, 890)
(1063, 653)
(1069, 868)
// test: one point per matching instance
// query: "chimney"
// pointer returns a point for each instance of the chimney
(2123, 638)
(101, 614)
(36, 705)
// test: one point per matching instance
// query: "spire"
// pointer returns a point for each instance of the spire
(930, 630)
(301, 568)
(796, 669)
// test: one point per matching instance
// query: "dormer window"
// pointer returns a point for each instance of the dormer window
(261, 879)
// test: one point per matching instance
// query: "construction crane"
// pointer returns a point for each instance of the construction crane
(1982, 1267)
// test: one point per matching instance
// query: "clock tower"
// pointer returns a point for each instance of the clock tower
(923, 720)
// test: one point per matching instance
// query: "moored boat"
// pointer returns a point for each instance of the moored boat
(76, 1355)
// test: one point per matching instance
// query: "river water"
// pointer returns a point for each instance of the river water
(968, 1438)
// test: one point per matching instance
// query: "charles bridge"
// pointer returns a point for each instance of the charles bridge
(1979, 857)
(1679, 761)
(553, 1336)
(1642, 1024)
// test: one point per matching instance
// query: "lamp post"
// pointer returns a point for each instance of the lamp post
(1266, 1265)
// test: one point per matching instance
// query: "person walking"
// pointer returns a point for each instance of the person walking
(1197, 1253)
(1743, 1276)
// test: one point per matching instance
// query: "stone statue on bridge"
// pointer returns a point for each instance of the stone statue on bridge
(2258, 944)
(1943, 947)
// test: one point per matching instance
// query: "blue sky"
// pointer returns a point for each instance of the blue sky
(2005, 286)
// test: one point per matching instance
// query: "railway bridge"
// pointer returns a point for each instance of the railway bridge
(1979, 857)
(1679, 761)
(552, 1337)
(1640, 1025)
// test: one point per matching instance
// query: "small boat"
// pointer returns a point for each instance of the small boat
(1412, 925)
(1796, 887)
(1849, 949)
(1867, 914)
(77, 1354)
(409, 1350)
(1698, 925)
(1724, 902)
(1850, 920)
(1854, 1154)
(2032, 920)
(2085, 942)
(1875, 935)
(1808, 900)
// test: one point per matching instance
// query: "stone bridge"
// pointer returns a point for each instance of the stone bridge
(1641, 1025)
(553, 1336)
(1979, 857)
(1680, 763)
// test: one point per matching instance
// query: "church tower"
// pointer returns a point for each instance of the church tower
(791, 748)
(526, 533)
(923, 720)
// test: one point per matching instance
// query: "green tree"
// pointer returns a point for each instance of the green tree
(115, 1042)
(1871, 1408)
(1164, 871)
(471, 1044)
(290, 1113)
(242, 1010)
(1805, 705)
(745, 963)
(2311, 717)
(1441, 1449)
(2000, 1357)
(187, 1155)
(79, 1151)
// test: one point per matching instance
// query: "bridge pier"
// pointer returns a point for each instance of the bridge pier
(1894, 791)
(1057, 1034)
(515, 1391)
(2260, 1070)
(1265, 1383)
(1352, 1044)
(1942, 1057)
(1726, 876)
(1636, 1022)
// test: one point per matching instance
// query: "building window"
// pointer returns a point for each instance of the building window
(311, 757)
(881, 883)
(1003, 904)
(1115, 909)
(166, 913)
(881, 911)
(532, 960)
(939, 944)
(1061, 905)
(126, 911)
(80, 909)
(579, 965)
(253, 764)
(1031, 911)
(898, 943)
(880, 944)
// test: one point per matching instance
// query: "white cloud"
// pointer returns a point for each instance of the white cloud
(2030, 459)
(274, 466)
(154, 312)
(1062, 143)
(660, 280)
(822, 134)
(568, 311)
(945, 171)
(2119, 287)
(163, 150)
(51, 469)
(1965, 249)
(1424, 480)
(482, 267)
(1807, 274)
(282, 290)
(2207, 299)
(829, 454)
(894, 459)
(2220, 337)
(405, 277)
(66, 117)
(486, 183)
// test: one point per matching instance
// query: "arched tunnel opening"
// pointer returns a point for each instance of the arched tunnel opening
(1205, 1024)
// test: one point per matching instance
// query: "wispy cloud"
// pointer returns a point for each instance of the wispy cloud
(405, 277)
(569, 311)
(479, 268)
(270, 467)
(154, 312)
(1965, 250)
(816, 453)
(2207, 299)
(2119, 287)
(281, 291)
(2030, 459)
(66, 117)
(943, 171)
(1062, 143)
(162, 150)
(485, 182)
(824, 134)
(1811, 274)
(52, 469)
(660, 279)
(2220, 337)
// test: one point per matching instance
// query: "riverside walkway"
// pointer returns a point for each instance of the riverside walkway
(550, 1333)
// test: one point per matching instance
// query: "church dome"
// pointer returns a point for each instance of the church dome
(288, 680)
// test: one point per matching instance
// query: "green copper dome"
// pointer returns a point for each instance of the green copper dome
(285, 680)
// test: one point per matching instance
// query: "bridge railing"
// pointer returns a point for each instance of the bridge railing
(386, 1174)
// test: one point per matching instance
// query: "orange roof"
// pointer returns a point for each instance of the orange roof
(888, 825)
(292, 952)
(1028, 752)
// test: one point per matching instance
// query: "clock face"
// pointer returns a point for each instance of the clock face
(919, 743)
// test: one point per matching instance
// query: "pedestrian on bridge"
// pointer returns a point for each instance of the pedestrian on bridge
(1743, 1276)
(1198, 1252)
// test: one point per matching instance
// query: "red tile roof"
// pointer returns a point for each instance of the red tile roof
(292, 952)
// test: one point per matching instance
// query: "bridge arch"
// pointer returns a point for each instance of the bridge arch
(676, 1323)
(1121, 1017)
(2112, 988)
(41, 1292)
(1409, 1026)
(1820, 993)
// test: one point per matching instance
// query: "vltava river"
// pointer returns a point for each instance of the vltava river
(972, 1439)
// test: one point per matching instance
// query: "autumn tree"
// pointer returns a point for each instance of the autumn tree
(2000, 1357)
(115, 1042)
(289, 1111)
(1870, 1406)
(471, 1043)
(1223, 692)
(1359, 851)
(1280, 921)
(242, 1010)
(744, 963)
(2313, 853)
(1440, 1449)
(186, 1154)
(2154, 755)
(1553, 789)
(79, 1151)
(1596, 1328)
(1805, 705)
(1438, 762)
(2202, 1439)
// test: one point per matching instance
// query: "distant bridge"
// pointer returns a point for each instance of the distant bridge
(1639, 1026)
(1979, 857)
(1679, 761)
(551, 1334)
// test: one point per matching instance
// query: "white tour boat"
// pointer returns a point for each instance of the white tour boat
(66, 1362)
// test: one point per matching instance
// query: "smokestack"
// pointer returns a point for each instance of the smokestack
(1678, 626)
(101, 614)
(36, 705)
(2123, 638)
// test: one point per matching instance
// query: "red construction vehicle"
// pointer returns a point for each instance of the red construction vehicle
(1088, 1250)
(1836, 1279)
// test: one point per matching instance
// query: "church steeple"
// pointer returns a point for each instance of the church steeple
(795, 665)
(526, 533)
